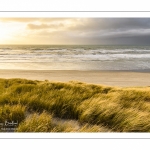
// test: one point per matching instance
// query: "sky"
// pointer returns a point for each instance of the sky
(80, 31)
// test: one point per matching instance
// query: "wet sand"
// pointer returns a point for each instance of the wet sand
(112, 78)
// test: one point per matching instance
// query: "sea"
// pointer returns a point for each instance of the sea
(75, 57)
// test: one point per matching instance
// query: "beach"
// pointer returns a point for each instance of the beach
(110, 78)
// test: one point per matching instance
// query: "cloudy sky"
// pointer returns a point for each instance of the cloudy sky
(102, 31)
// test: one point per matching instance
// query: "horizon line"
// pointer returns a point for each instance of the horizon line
(83, 44)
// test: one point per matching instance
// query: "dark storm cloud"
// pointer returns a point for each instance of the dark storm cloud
(109, 24)
(115, 31)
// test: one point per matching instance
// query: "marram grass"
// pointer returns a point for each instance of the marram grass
(43, 106)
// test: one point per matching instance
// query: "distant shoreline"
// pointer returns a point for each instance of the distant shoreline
(119, 78)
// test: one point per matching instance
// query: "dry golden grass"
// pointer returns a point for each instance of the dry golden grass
(96, 108)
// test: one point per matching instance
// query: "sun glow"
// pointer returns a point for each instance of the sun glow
(4, 33)
(8, 32)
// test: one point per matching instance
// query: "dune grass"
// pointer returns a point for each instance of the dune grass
(95, 108)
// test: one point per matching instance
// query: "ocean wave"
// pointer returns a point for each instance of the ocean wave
(97, 57)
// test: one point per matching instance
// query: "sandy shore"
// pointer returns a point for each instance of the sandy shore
(112, 78)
